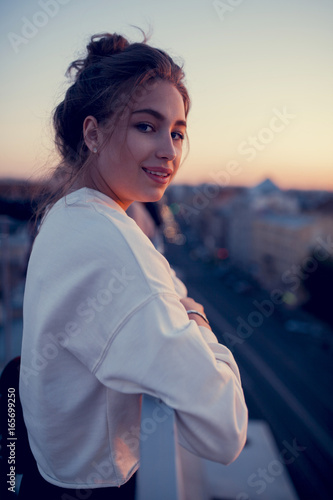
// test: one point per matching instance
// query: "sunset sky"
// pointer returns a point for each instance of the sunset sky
(259, 73)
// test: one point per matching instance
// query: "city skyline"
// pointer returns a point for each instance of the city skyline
(259, 75)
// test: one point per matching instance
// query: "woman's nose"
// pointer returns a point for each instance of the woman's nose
(166, 149)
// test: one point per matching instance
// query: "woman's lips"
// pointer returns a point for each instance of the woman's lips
(157, 174)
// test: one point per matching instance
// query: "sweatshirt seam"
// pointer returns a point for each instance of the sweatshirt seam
(123, 323)
(69, 484)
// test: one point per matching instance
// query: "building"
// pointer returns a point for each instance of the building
(282, 244)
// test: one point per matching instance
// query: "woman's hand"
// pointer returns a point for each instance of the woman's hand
(189, 304)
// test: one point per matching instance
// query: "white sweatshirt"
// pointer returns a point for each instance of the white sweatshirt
(102, 325)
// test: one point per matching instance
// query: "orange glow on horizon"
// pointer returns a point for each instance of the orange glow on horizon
(196, 176)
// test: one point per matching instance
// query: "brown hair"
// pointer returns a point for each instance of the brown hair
(111, 75)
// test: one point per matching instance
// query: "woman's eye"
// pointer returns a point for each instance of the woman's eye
(144, 127)
(178, 136)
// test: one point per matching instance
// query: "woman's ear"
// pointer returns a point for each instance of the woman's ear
(91, 133)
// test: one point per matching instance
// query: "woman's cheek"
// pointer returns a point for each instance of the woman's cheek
(138, 144)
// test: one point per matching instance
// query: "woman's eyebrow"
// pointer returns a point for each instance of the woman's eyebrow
(158, 115)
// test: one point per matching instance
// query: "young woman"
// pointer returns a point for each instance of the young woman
(103, 322)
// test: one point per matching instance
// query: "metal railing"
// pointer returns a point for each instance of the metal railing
(159, 475)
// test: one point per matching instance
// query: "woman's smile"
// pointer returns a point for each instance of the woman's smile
(158, 174)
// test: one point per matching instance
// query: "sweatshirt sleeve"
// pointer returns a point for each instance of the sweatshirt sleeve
(158, 351)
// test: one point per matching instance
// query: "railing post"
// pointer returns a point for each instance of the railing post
(159, 475)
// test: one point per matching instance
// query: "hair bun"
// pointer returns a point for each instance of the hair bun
(102, 45)
(106, 45)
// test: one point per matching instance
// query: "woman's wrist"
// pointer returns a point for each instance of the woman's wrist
(198, 313)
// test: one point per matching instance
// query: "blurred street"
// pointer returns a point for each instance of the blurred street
(287, 375)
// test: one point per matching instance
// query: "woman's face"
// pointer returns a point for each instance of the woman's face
(142, 156)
